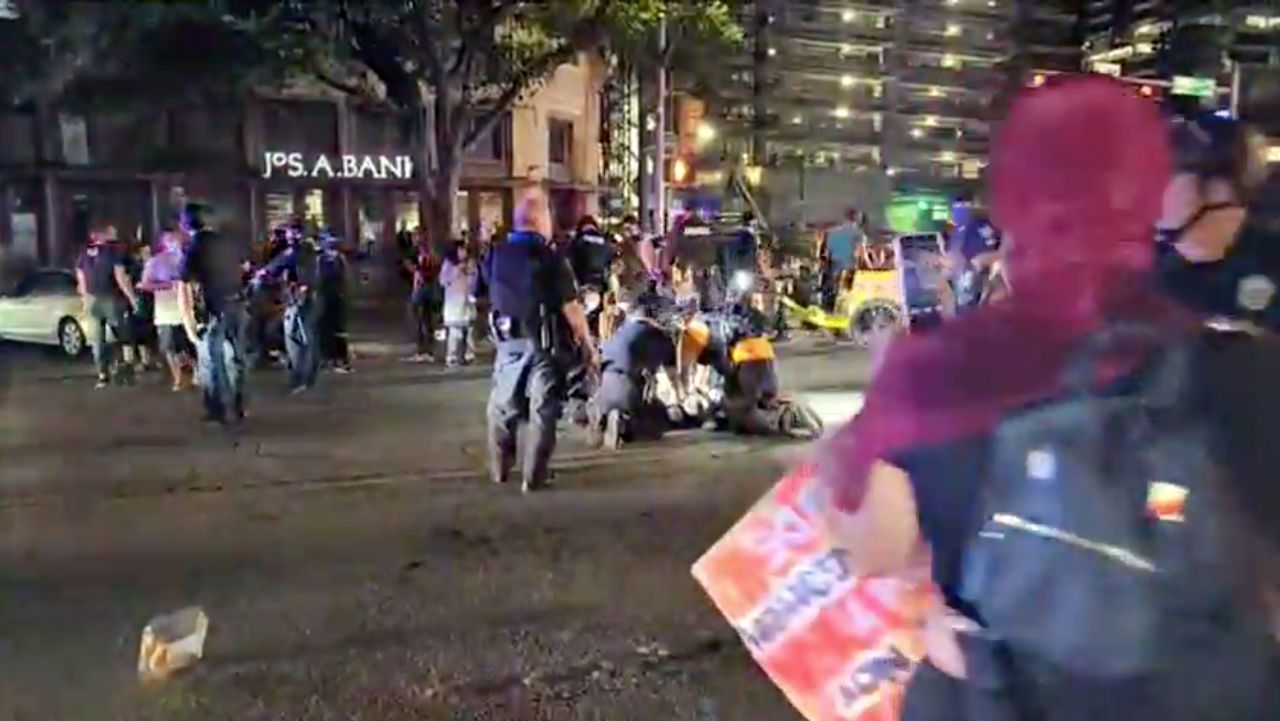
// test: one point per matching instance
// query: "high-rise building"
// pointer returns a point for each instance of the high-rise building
(1161, 38)
(908, 87)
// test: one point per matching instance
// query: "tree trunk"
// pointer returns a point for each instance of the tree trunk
(439, 191)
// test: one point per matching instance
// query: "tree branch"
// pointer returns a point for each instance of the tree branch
(522, 82)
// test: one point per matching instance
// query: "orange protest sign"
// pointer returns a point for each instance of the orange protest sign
(841, 647)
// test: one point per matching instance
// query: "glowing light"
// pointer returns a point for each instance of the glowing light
(890, 171)
(846, 81)
(936, 92)
(947, 156)
(917, 133)
(950, 61)
(1038, 79)
(680, 170)
(1146, 91)
(952, 30)
(848, 16)
(706, 132)
(797, 120)
(841, 112)
(930, 120)
(773, 51)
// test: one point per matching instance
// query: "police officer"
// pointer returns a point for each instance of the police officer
(538, 325)
(630, 362)
(211, 276)
(1212, 255)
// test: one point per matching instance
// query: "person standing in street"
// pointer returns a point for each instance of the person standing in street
(457, 277)
(108, 297)
(332, 296)
(160, 277)
(296, 270)
(538, 325)
(211, 276)
(843, 244)
(424, 299)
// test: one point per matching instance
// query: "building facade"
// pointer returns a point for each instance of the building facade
(903, 87)
(271, 157)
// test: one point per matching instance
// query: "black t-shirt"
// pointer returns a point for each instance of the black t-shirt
(1243, 285)
(523, 276)
(590, 256)
(99, 263)
(215, 264)
(638, 346)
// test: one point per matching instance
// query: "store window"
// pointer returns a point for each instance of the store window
(492, 214)
(493, 144)
(313, 206)
(18, 129)
(560, 141)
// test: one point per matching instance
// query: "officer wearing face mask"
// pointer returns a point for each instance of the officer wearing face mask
(1212, 256)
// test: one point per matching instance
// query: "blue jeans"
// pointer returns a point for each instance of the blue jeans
(107, 316)
(300, 344)
(220, 364)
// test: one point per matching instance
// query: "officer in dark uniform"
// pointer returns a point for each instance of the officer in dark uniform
(1213, 256)
(630, 360)
(538, 326)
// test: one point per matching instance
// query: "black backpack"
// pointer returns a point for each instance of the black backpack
(1104, 552)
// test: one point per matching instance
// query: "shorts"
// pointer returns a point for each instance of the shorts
(173, 339)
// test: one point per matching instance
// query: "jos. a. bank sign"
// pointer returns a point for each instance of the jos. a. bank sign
(323, 167)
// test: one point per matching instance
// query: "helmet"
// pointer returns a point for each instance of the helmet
(1211, 146)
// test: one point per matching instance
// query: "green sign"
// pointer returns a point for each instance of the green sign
(1198, 87)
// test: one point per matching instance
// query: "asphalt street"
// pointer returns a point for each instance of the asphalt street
(352, 561)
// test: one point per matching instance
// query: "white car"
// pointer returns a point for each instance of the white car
(44, 308)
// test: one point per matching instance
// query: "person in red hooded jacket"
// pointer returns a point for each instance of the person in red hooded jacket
(1077, 174)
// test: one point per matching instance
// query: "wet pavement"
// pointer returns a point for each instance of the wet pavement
(352, 561)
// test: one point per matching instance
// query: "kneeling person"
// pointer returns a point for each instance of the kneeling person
(621, 408)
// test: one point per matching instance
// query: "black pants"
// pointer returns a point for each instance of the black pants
(332, 329)
(424, 323)
(625, 393)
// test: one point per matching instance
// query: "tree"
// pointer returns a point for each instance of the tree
(454, 69)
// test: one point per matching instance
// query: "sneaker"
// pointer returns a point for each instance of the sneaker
(297, 390)
(531, 486)
(103, 382)
(613, 431)
(420, 358)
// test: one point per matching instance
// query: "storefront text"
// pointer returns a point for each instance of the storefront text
(361, 167)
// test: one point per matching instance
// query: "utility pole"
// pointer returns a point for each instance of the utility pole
(660, 139)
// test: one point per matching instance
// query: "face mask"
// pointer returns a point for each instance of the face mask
(1169, 236)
